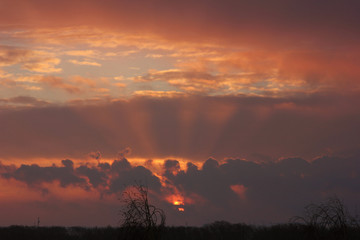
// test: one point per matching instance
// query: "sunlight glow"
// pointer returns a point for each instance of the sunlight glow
(178, 202)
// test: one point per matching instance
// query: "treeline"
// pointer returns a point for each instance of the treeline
(218, 230)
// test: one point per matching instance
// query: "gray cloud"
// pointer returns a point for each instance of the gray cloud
(112, 178)
(95, 175)
(273, 191)
(189, 127)
(234, 189)
(35, 175)
(280, 22)
(24, 101)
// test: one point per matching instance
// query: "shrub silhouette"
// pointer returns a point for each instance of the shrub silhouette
(330, 218)
(140, 219)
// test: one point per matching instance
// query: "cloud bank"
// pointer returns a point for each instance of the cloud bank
(235, 190)
(256, 128)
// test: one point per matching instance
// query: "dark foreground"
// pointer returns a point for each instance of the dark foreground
(218, 230)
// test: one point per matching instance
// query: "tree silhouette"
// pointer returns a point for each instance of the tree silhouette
(139, 218)
(329, 216)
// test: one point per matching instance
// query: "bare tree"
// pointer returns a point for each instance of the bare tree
(330, 215)
(139, 218)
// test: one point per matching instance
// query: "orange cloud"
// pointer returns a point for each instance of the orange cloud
(210, 68)
(158, 94)
(277, 24)
(85, 62)
(239, 190)
(58, 82)
(264, 73)
(35, 61)
(43, 66)
(81, 53)
(73, 84)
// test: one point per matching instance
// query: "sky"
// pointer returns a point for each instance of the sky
(243, 111)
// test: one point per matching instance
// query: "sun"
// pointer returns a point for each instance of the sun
(178, 202)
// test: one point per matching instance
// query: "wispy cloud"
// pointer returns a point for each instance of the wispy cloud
(85, 62)
(159, 94)
(31, 60)
(81, 53)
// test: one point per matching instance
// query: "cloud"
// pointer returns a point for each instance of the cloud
(127, 176)
(250, 48)
(95, 155)
(11, 55)
(256, 68)
(85, 62)
(44, 65)
(231, 21)
(25, 101)
(23, 82)
(123, 153)
(34, 175)
(270, 127)
(196, 81)
(81, 53)
(239, 189)
(58, 82)
(92, 37)
(105, 178)
(31, 60)
(73, 84)
(235, 190)
(185, 80)
(158, 94)
(264, 73)
(120, 85)
(4, 74)
(95, 176)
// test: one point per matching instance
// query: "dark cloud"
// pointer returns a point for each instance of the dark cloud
(275, 191)
(34, 175)
(95, 175)
(171, 165)
(104, 177)
(280, 22)
(95, 155)
(235, 190)
(120, 165)
(136, 175)
(187, 127)
(22, 102)
(124, 174)
(6, 168)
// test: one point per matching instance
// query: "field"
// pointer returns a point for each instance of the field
(217, 230)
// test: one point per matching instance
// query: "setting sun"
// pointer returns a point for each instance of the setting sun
(176, 203)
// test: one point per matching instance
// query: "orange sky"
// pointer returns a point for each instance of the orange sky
(257, 81)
